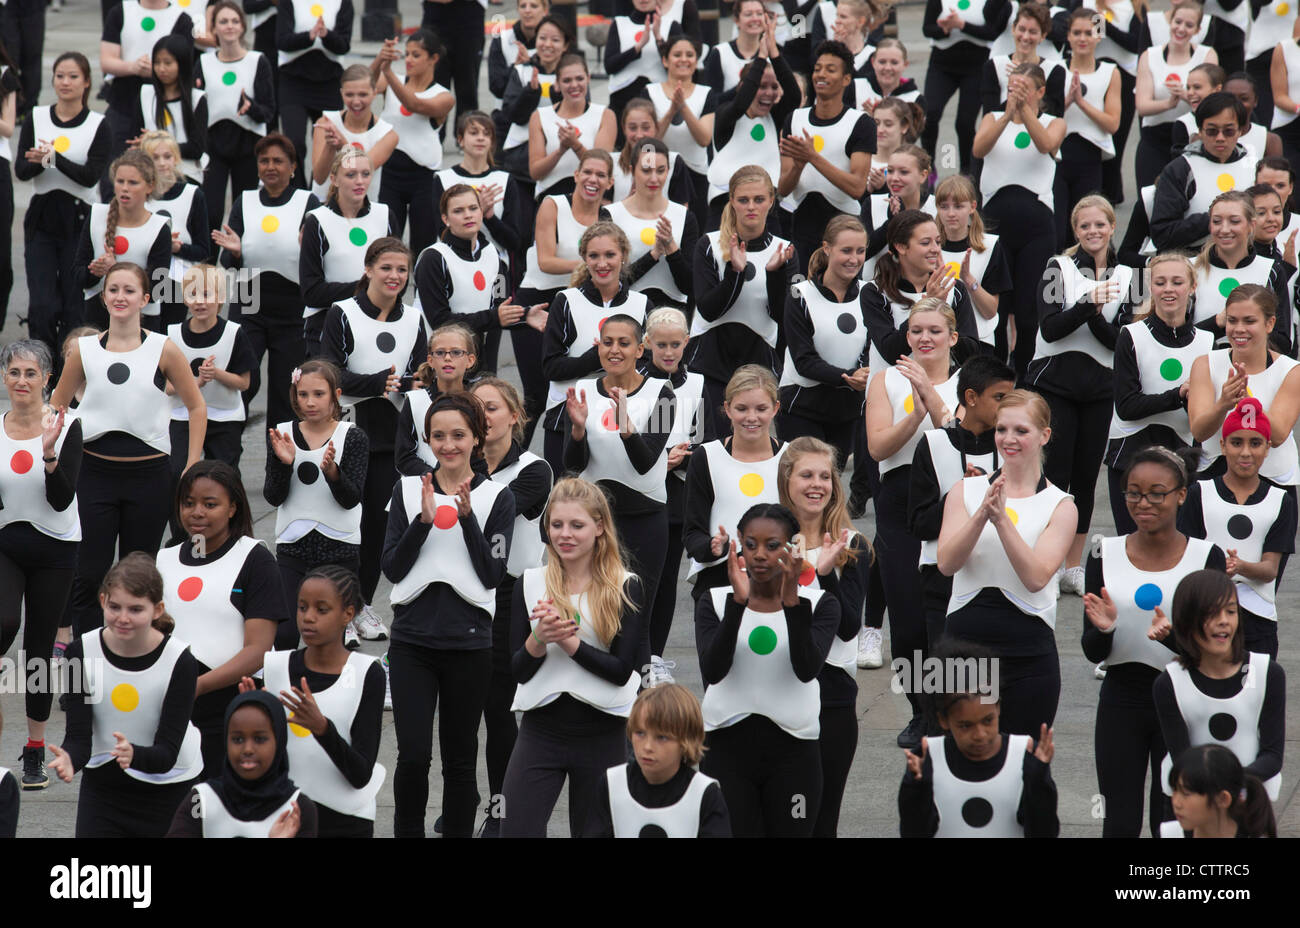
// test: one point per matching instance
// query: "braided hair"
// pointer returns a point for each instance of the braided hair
(133, 158)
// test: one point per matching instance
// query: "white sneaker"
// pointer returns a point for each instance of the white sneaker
(350, 639)
(869, 643)
(1072, 581)
(388, 685)
(369, 627)
(1100, 671)
(661, 671)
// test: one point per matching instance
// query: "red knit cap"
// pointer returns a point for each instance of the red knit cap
(1249, 416)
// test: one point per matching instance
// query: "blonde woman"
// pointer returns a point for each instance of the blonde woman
(180, 199)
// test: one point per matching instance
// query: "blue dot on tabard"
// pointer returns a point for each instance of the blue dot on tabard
(1148, 596)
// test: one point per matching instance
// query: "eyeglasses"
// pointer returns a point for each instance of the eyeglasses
(453, 353)
(1155, 497)
(1227, 132)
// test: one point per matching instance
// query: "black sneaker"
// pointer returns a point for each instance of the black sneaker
(34, 775)
(910, 737)
(857, 506)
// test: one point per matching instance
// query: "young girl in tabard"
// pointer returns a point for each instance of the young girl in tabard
(639, 122)
(529, 89)
(577, 635)
(1154, 355)
(182, 201)
(223, 587)
(885, 81)
(1250, 517)
(834, 558)
(762, 642)
(1229, 259)
(1092, 115)
(616, 431)
(445, 550)
(353, 126)
(558, 135)
(1019, 147)
(252, 795)
(124, 230)
(666, 341)
(336, 706)
(311, 40)
(1270, 222)
(731, 473)
(742, 275)
(39, 528)
(239, 87)
(335, 240)
(62, 195)
(1004, 536)
(723, 65)
(378, 343)
(513, 45)
(169, 102)
(918, 393)
(1213, 797)
(978, 254)
(1218, 691)
(1083, 300)
(125, 418)
(975, 781)
(825, 374)
(453, 354)
(907, 178)
(660, 794)
(265, 222)
(317, 521)
(1031, 24)
(129, 723)
(683, 112)
(1128, 580)
(1160, 97)
(631, 55)
(959, 42)
(529, 480)
(662, 233)
(1249, 366)
(569, 343)
(416, 107)
(896, 125)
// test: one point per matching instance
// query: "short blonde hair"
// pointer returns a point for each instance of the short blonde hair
(671, 709)
(752, 377)
(666, 317)
(197, 281)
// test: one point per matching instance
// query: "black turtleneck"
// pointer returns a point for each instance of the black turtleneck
(925, 499)
(560, 332)
(714, 820)
(436, 287)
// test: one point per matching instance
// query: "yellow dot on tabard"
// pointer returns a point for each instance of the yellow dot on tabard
(818, 143)
(908, 404)
(1225, 182)
(270, 224)
(1110, 17)
(648, 236)
(1249, 393)
(954, 267)
(751, 484)
(1282, 9)
(1013, 516)
(167, 119)
(298, 730)
(546, 88)
(62, 144)
(317, 10)
(183, 4)
(124, 697)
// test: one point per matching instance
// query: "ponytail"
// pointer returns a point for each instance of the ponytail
(1210, 769)
(840, 224)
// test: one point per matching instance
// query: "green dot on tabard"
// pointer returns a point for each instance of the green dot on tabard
(1227, 285)
(762, 640)
(357, 236)
(577, 618)
(229, 78)
(147, 24)
(963, 4)
(1022, 140)
(1171, 369)
(758, 133)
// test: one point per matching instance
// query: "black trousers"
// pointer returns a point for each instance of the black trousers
(840, 434)
(418, 677)
(23, 22)
(1258, 68)
(498, 719)
(1031, 691)
(1112, 171)
(940, 85)
(665, 600)
(898, 553)
(6, 242)
(1028, 232)
(1078, 444)
(292, 570)
(409, 191)
(331, 824)
(381, 474)
(838, 743)
(1261, 633)
(1153, 152)
(459, 24)
(1074, 181)
(30, 585)
(279, 339)
(264, 42)
(121, 511)
(240, 172)
(644, 539)
(111, 804)
(301, 104)
(553, 451)
(936, 591)
(54, 302)
(1127, 743)
(527, 344)
(771, 780)
(313, 327)
(1124, 524)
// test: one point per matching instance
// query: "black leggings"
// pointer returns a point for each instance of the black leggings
(544, 756)
(6, 242)
(409, 190)
(381, 474)
(240, 171)
(292, 570)
(1112, 171)
(838, 743)
(840, 434)
(498, 718)
(35, 584)
(279, 339)
(122, 510)
(331, 824)
(527, 344)
(1028, 233)
(1074, 181)
(418, 676)
(1124, 524)
(644, 539)
(1127, 743)
(553, 451)
(1074, 454)
(1153, 152)
(54, 301)
(771, 780)
(112, 804)
(665, 601)
(1258, 68)
(1261, 634)
(898, 554)
(301, 103)
(940, 85)
(714, 394)
(1031, 691)
(936, 592)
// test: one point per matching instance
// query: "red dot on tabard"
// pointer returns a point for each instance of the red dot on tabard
(21, 462)
(480, 282)
(404, 111)
(190, 588)
(120, 245)
(610, 420)
(601, 324)
(639, 34)
(358, 146)
(806, 576)
(445, 516)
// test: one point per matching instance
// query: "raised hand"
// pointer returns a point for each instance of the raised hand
(1100, 610)
(664, 244)
(329, 465)
(916, 762)
(738, 256)
(1233, 563)
(51, 429)
(464, 505)
(428, 499)
(286, 826)
(61, 764)
(488, 197)
(779, 257)
(830, 550)
(123, 750)
(508, 313)
(537, 315)
(575, 403)
(282, 445)
(736, 576)
(790, 567)
(1160, 626)
(303, 710)
(677, 454)
(394, 381)
(858, 379)
(247, 685)
(718, 544)
(1105, 292)
(1234, 387)
(226, 238)
(207, 370)
(1044, 749)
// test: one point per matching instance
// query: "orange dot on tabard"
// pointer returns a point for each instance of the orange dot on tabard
(190, 588)
(21, 462)
(445, 517)
(480, 281)
(404, 111)
(807, 575)
(120, 245)
(609, 420)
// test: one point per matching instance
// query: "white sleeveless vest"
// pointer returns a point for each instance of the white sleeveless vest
(750, 307)
(641, 235)
(141, 28)
(1015, 160)
(73, 143)
(844, 652)
(1120, 15)
(633, 820)
(607, 456)
(178, 211)
(223, 81)
(417, 136)
(588, 125)
(1214, 283)
(498, 178)
(949, 470)
(979, 263)
(219, 823)
(587, 318)
(271, 232)
(22, 486)
(899, 391)
(517, 134)
(737, 485)
(472, 282)
(224, 403)
(198, 599)
(1282, 465)
(753, 141)
(345, 261)
(647, 64)
(568, 232)
(839, 334)
(1163, 74)
(310, 505)
(526, 546)
(972, 11)
(829, 141)
(376, 345)
(1244, 528)
(1077, 286)
(131, 244)
(1077, 122)
(1213, 178)
(1162, 368)
(174, 123)
(984, 809)
(305, 14)
(678, 137)
(419, 401)
(361, 141)
(120, 393)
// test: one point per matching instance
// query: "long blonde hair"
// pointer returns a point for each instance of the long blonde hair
(581, 274)
(1247, 203)
(957, 188)
(1091, 201)
(150, 142)
(749, 174)
(835, 517)
(607, 593)
(1164, 257)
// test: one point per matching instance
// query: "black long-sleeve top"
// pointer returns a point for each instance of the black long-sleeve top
(1281, 535)
(809, 630)
(1172, 226)
(891, 340)
(439, 617)
(507, 232)
(643, 448)
(924, 501)
(158, 757)
(499, 69)
(560, 333)
(965, 56)
(281, 297)
(617, 58)
(228, 139)
(314, 66)
(832, 400)
(719, 351)
(353, 459)
(196, 222)
(160, 255)
(434, 283)
(1272, 716)
(1075, 374)
(196, 133)
(840, 689)
(919, 818)
(714, 819)
(356, 761)
(123, 93)
(59, 212)
(678, 265)
(317, 289)
(729, 112)
(993, 99)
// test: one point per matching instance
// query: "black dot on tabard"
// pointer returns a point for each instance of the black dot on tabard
(118, 372)
(1222, 726)
(195, 365)
(977, 812)
(846, 323)
(1083, 90)
(385, 342)
(750, 272)
(308, 472)
(1240, 526)
(652, 831)
(678, 119)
